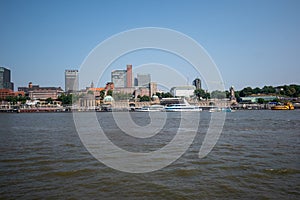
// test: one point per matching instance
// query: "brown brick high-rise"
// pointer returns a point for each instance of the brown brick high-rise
(129, 76)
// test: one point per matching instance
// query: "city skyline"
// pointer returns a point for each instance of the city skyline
(252, 43)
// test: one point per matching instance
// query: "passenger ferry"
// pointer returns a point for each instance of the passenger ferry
(182, 107)
(153, 108)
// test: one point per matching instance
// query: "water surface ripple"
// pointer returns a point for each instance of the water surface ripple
(257, 157)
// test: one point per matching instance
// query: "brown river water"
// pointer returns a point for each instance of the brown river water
(256, 157)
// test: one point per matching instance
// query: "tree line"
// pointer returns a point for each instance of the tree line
(285, 90)
(292, 90)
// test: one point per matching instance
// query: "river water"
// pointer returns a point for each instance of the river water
(256, 157)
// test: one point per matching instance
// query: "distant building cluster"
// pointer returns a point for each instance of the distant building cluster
(142, 85)
(122, 82)
(37, 92)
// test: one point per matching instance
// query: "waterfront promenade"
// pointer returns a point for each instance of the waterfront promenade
(126, 105)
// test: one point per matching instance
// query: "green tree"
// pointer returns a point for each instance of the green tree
(12, 99)
(158, 94)
(167, 95)
(67, 99)
(246, 92)
(268, 90)
(164, 95)
(207, 95)
(260, 100)
(256, 90)
(109, 92)
(90, 92)
(199, 93)
(102, 94)
(145, 98)
(49, 100)
(237, 96)
(218, 94)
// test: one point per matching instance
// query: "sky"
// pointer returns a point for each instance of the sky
(253, 43)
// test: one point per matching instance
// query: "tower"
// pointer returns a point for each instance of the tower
(197, 83)
(129, 76)
(71, 80)
(5, 82)
(232, 95)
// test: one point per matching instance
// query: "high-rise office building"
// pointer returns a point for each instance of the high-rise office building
(122, 78)
(143, 80)
(118, 77)
(5, 82)
(71, 80)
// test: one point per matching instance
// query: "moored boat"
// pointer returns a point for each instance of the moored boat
(286, 106)
(182, 107)
(217, 109)
(153, 108)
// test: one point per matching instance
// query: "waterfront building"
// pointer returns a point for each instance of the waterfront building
(4, 93)
(71, 80)
(197, 83)
(183, 91)
(143, 80)
(37, 92)
(87, 102)
(5, 82)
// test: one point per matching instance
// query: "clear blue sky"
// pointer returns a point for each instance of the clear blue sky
(253, 43)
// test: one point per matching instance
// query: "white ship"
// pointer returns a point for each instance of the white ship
(182, 107)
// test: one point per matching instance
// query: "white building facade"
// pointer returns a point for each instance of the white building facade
(183, 91)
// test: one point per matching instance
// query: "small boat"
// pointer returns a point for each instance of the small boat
(153, 108)
(286, 106)
(182, 107)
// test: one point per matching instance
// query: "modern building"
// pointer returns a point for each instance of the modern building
(37, 92)
(197, 83)
(122, 78)
(118, 77)
(143, 80)
(5, 82)
(183, 91)
(71, 80)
